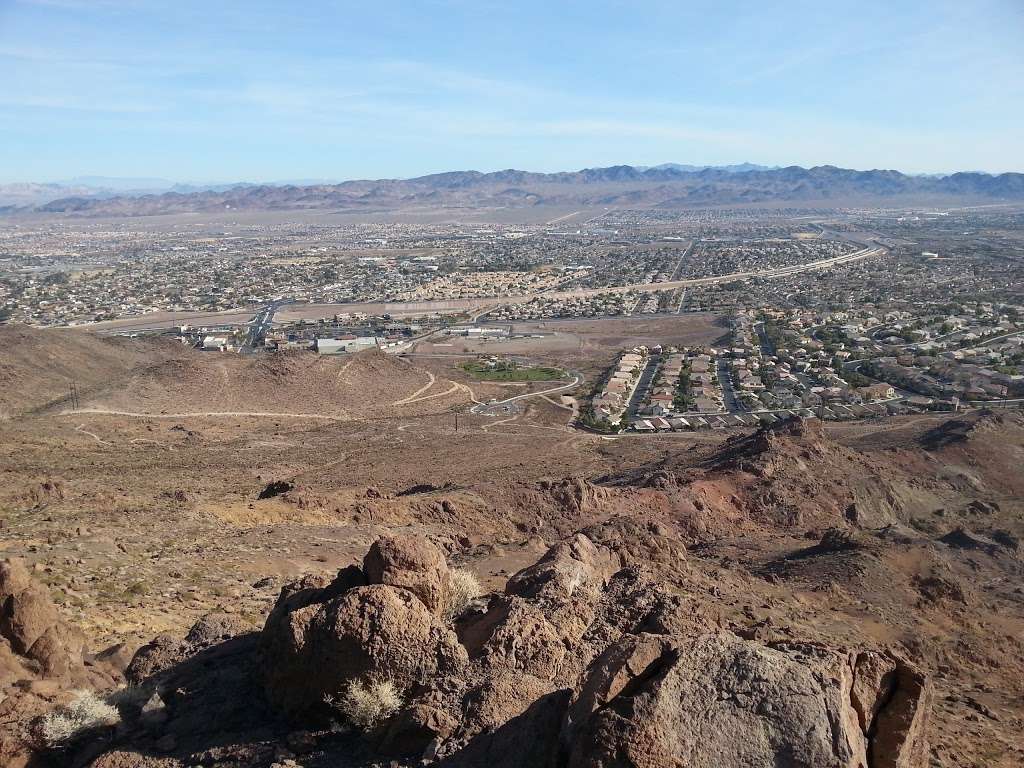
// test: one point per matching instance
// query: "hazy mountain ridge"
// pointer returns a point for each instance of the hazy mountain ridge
(661, 186)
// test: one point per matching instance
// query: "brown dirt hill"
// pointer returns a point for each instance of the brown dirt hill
(365, 385)
(980, 450)
(788, 478)
(37, 367)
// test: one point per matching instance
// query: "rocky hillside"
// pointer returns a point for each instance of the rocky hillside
(623, 185)
(582, 660)
(40, 366)
(779, 599)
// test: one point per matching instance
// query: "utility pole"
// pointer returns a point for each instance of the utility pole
(456, 411)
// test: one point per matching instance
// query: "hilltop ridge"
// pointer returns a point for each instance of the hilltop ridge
(669, 186)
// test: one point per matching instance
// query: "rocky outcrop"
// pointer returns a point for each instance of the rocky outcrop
(893, 700)
(717, 700)
(42, 660)
(31, 630)
(575, 495)
(410, 563)
(585, 660)
(166, 650)
(321, 637)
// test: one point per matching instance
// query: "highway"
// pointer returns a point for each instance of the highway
(670, 285)
(259, 326)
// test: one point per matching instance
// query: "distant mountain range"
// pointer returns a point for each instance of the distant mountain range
(665, 186)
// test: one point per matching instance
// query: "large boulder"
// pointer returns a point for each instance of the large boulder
(167, 650)
(414, 729)
(377, 632)
(409, 563)
(568, 567)
(31, 626)
(717, 700)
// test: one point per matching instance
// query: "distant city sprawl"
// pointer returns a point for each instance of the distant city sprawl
(841, 313)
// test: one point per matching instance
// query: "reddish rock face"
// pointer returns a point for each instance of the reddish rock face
(373, 632)
(718, 700)
(412, 564)
(579, 663)
(31, 626)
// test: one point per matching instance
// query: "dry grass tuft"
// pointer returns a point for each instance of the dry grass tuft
(463, 587)
(366, 705)
(86, 712)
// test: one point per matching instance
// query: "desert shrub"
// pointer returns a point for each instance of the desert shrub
(367, 704)
(462, 588)
(86, 712)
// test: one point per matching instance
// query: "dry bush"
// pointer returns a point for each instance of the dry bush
(366, 705)
(86, 712)
(462, 589)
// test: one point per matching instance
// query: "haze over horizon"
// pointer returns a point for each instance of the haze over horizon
(256, 92)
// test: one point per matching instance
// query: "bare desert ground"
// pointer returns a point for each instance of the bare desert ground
(190, 484)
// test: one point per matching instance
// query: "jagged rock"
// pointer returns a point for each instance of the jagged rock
(568, 566)
(575, 494)
(412, 564)
(410, 732)
(378, 631)
(637, 543)
(29, 622)
(941, 586)
(159, 654)
(166, 650)
(962, 538)
(530, 738)
(215, 627)
(631, 604)
(117, 656)
(717, 700)
(275, 488)
(313, 588)
(500, 698)
(523, 641)
(893, 701)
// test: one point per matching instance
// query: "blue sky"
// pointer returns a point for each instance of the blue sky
(259, 91)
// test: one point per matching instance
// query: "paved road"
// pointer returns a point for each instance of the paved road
(480, 306)
(577, 379)
(767, 348)
(671, 285)
(682, 299)
(643, 385)
(259, 326)
(682, 258)
(732, 403)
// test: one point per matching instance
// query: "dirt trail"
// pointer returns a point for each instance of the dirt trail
(450, 391)
(193, 414)
(81, 428)
(487, 427)
(413, 397)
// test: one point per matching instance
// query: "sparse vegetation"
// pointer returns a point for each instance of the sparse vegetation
(463, 587)
(367, 704)
(86, 713)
